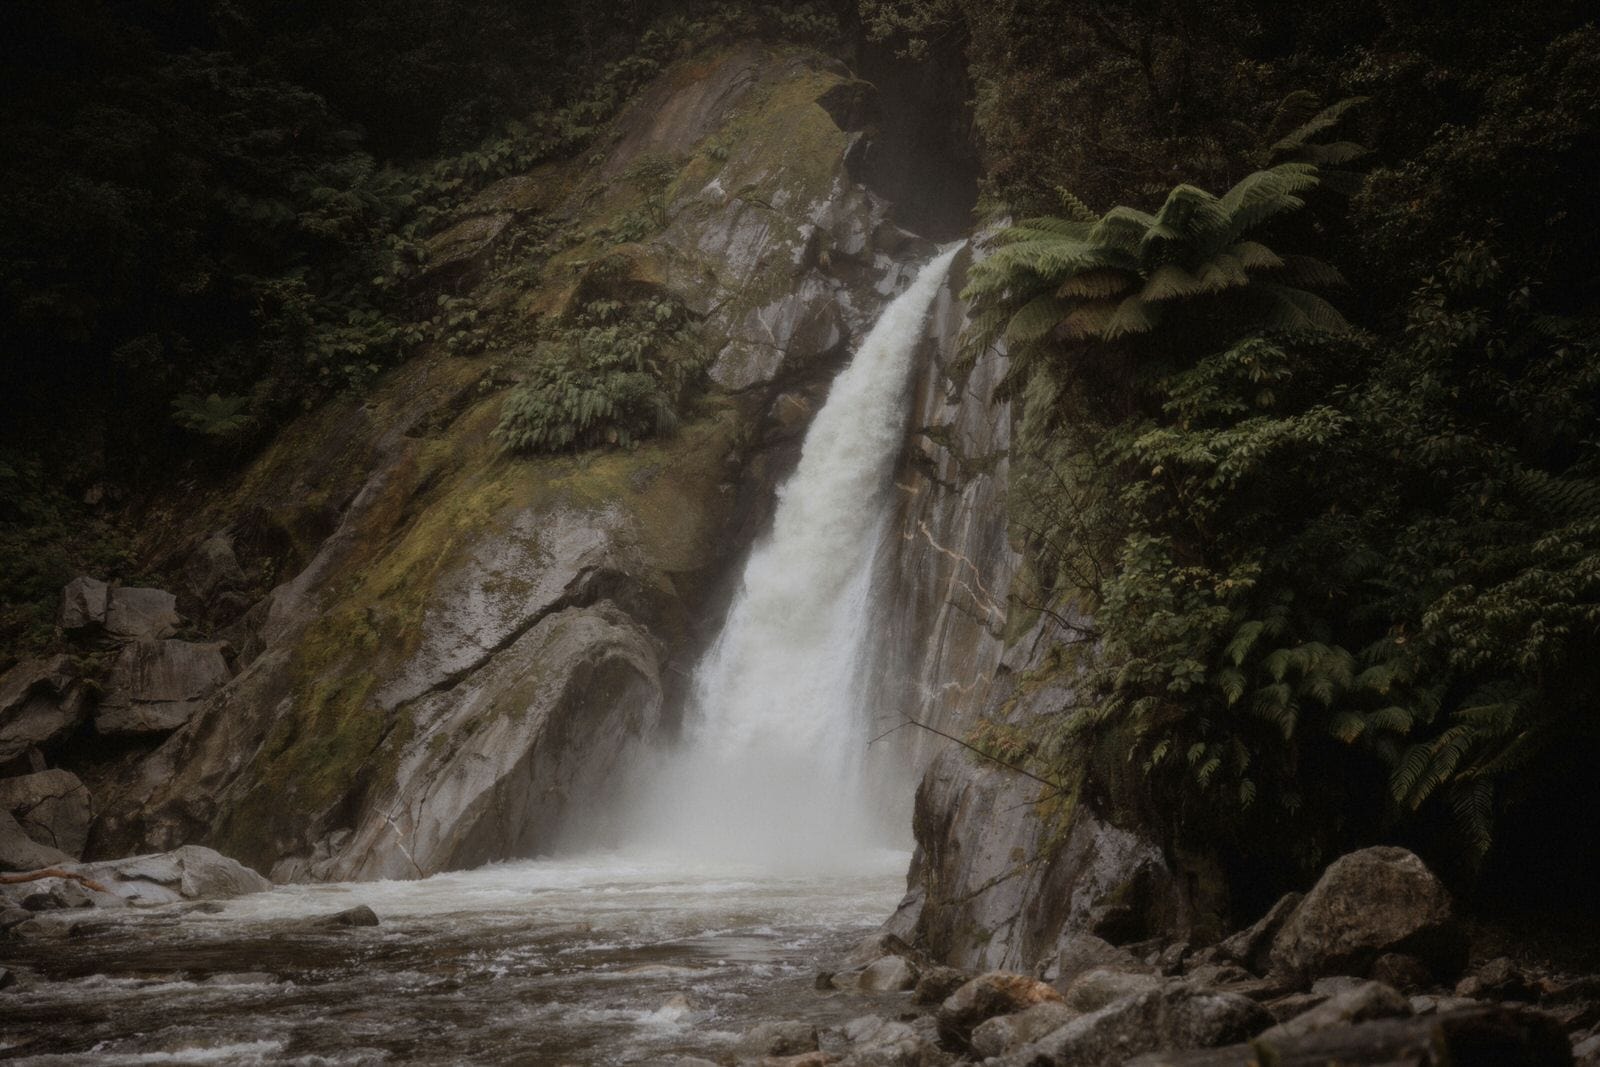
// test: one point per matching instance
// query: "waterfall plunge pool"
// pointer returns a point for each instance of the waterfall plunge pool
(593, 960)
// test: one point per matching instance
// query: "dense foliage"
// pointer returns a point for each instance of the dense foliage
(216, 214)
(1345, 583)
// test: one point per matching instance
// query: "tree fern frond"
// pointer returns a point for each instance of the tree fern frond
(1290, 309)
(1036, 319)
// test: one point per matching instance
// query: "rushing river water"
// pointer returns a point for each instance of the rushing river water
(594, 961)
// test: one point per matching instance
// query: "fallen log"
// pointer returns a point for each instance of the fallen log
(52, 872)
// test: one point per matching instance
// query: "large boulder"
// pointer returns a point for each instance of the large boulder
(83, 604)
(52, 807)
(157, 686)
(40, 700)
(1367, 903)
(986, 996)
(136, 614)
(1005, 1033)
(1179, 1017)
(191, 872)
(19, 852)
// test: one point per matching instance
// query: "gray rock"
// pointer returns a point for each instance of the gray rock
(191, 872)
(875, 946)
(1249, 947)
(52, 807)
(1079, 953)
(12, 915)
(1586, 1050)
(41, 700)
(83, 604)
(1432, 1005)
(213, 568)
(135, 614)
(1005, 1033)
(783, 1038)
(1406, 973)
(1180, 1017)
(891, 974)
(1093, 990)
(1370, 1000)
(360, 915)
(1492, 1037)
(878, 1042)
(1335, 984)
(19, 852)
(158, 686)
(936, 983)
(1366, 904)
(1498, 979)
(984, 997)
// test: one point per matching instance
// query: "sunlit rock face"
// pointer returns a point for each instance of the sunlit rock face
(467, 642)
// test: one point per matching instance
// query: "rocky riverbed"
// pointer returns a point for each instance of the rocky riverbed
(605, 960)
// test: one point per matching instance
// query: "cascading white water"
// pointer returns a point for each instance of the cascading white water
(769, 770)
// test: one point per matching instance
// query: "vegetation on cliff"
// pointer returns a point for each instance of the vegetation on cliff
(1343, 565)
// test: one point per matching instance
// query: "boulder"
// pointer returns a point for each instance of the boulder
(19, 852)
(1249, 947)
(874, 947)
(83, 604)
(1366, 904)
(783, 1038)
(213, 568)
(988, 995)
(1080, 953)
(134, 614)
(157, 686)
(1004, 1033)
(878, 1042)
(1370, 1000)
(937, 982)
(1498, 979)
(192, 872)
(1179, 1017)
(1491, 1037)
(1093, 990)
(40, 700)
(891, 974)
(360, 915)
(52, 807)
(1406, 973)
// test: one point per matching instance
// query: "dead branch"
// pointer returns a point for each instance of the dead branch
(52, 872)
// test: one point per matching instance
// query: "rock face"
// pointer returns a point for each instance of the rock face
(52, 807)
(999, 879)
(466, 643)
(1368, 903)
(157, 686)
(40, 700)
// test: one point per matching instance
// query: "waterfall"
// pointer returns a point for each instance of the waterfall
(770, 767)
